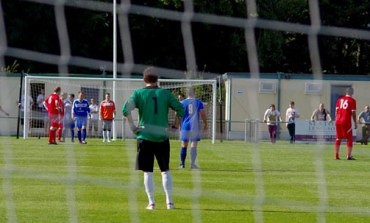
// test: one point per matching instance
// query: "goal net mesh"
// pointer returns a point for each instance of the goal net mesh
(123, 88)
(35, 122)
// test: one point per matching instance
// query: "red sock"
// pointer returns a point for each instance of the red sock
(51, 135)
(337, 148)
(59, 134)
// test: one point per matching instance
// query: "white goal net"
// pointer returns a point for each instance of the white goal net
(261, 180)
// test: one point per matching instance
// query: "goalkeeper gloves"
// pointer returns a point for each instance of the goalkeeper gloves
(136, 129)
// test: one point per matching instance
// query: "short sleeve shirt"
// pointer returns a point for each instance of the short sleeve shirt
(53, 104)
(344, 108)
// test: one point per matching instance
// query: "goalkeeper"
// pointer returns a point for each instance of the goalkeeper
(153, 104)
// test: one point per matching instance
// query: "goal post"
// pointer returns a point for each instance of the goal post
(93, 87)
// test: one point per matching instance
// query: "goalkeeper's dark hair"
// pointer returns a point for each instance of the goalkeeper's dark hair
(150, 76)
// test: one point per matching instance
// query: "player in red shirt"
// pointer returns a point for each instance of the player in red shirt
(54, 107)
(345, 112)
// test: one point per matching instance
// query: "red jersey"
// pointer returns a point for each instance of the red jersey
(107, 109)
(53, 104)
(344, 108)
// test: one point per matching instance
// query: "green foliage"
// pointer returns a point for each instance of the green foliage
(32, 26)
(270, 49)
(236, 181)
(344, 55)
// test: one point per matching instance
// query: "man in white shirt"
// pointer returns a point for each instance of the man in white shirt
(290, 116)
(94, 118)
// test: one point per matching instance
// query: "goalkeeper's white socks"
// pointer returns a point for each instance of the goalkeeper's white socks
(167, 186)
(149, 186)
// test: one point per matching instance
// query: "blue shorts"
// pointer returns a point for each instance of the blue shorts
(81, 122)
(190, 135)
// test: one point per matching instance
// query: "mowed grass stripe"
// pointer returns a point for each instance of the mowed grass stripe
(108, 189)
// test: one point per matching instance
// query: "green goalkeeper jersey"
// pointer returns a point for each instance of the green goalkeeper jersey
(153, 104)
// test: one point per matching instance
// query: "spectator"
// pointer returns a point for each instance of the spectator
(272, 117)
(290, 116)
(364, 119)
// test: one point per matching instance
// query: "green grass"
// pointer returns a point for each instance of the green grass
(237, 182)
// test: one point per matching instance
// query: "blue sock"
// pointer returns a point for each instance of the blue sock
(83, 134)
(79, 135)
(183, 155)
(72, 134)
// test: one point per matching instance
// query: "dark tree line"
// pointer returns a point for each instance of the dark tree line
(218, 49)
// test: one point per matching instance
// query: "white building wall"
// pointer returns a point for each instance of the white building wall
(245, 102)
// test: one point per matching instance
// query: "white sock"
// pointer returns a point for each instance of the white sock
(104, 137)
(167, 185)
(108, 135)
(193, 155)
(149, 186)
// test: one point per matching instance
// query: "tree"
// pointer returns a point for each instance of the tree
(218, 48)
(344, 55)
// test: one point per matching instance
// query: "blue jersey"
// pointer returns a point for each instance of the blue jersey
(191, 119)
(81, 109)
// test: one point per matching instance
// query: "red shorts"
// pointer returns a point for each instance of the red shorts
(54, 121)
(343, 131)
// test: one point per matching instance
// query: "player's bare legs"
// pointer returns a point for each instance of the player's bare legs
(337, 148)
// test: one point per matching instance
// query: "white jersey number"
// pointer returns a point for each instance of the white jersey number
(343, 104)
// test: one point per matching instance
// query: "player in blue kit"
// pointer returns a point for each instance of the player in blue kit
(80, 113)
(191, 127)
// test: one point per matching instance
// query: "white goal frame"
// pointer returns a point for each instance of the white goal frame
(138, 81)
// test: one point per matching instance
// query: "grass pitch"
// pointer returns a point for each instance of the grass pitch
(236, 182)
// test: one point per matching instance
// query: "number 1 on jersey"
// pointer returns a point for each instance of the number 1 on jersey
(155, 101)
